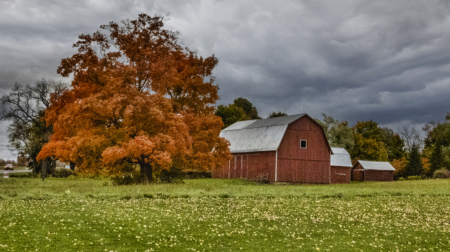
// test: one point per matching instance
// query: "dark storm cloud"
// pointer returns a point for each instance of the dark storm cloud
(355, 60)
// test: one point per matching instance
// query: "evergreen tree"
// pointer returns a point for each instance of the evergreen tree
(414, 166)
(436, 159)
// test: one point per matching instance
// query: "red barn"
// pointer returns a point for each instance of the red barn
(341, 166)
(282, 149)
(372, 171)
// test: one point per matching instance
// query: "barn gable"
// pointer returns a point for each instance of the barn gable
(308, 163)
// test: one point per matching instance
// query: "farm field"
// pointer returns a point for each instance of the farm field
(223, 215)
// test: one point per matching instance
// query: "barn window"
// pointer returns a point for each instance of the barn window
(303, 144)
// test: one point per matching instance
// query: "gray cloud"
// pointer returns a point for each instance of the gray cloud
(352, 59)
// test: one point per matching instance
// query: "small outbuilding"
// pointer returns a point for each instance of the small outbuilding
(372, 171)
(341, 166)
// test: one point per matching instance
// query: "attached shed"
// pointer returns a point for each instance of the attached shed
(282, 149)
(372, 171)
(341, 166)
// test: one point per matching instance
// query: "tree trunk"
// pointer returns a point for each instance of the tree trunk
(147, 170)
(34, 166)
(44, 167)
(53, 166)
(72, 165)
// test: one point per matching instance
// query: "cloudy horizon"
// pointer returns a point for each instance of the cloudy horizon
(353, 60)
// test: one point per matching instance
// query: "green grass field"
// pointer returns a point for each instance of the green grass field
(223, 215)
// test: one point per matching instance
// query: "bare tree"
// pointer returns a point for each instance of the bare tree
(411, 136)
(25, 107)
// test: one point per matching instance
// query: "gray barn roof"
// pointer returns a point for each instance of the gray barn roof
(258, 135)
(340, 157)
(254, 139)
(376, 165)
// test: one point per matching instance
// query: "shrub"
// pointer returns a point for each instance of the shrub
(131, 178)
(21, 175)
(401, 179)
(414, 178)
(197, 174)
(441, 174)
(171, 176)
(63, 173)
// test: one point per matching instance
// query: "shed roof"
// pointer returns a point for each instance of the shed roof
(258, 135)
(376, 165)
(340, 157)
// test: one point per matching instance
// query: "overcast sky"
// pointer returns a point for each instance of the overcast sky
(388, 61)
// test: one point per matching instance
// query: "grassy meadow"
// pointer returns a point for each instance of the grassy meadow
(223, 215)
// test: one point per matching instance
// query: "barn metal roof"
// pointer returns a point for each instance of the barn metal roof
(376, 165)
(282, 120)
(340, 157)
(254, 139)
(258, 135)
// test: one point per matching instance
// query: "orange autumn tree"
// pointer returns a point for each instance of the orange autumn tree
(137, 96)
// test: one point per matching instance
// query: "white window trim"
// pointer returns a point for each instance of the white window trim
(301, 144)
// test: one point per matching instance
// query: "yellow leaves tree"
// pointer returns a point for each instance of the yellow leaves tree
(399, 165)
(426, 165)
(368, 149)
(137, 97)
(368, 142)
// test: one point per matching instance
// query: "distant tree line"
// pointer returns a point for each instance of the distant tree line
(21, 161)
(405, 150)
(4, 162)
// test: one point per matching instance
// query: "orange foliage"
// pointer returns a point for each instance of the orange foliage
(399, 165)
(426, 165)
(147, 103)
